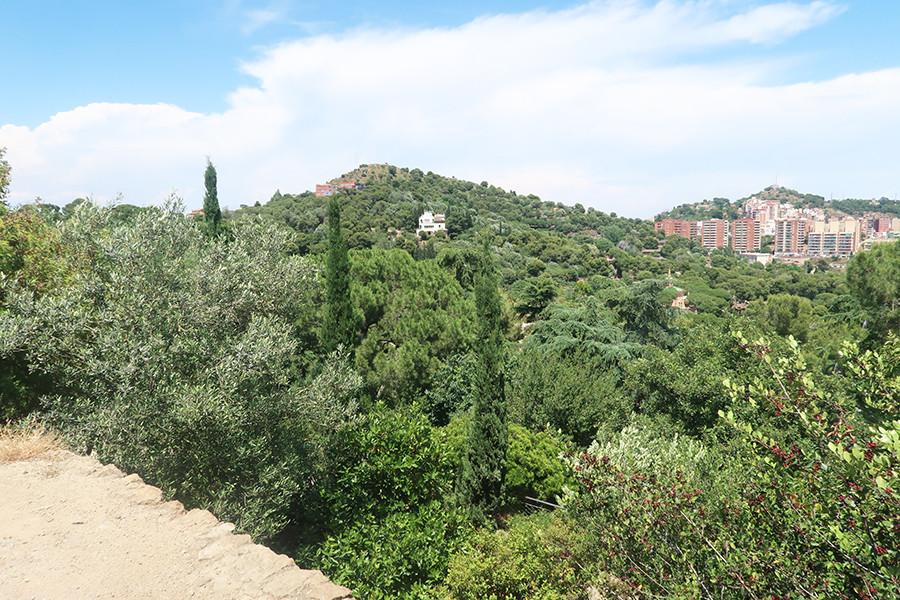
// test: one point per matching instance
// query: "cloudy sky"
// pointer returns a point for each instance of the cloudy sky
(626, 105)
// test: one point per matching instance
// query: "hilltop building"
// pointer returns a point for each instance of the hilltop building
(431, 222)
(324, 189)
(329, 189)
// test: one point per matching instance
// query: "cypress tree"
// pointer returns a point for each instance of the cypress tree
(211, 212)
(338, 327)
(483, 470)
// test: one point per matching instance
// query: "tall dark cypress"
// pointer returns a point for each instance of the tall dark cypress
(211, 211)
(481, 478)
(338, 327)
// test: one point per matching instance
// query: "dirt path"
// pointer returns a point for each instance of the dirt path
(72, 529)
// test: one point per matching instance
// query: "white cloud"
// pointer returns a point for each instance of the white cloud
(609, 104)
(256, 19)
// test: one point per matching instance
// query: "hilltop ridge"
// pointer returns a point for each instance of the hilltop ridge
(723, 208)
(388, 207)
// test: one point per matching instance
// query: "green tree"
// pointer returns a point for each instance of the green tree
(415, 317)
(483, 468)
(874, 278)
(645, 316)
(4, 177)
(573, 394)
(31, 252)
(534, 295)
(460, 218)
(685, 383)
(456, 389)
(33, 259)
(339, 326)
(788, 315)
(211, 211)
(390, 529)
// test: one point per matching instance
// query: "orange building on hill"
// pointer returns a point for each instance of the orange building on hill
(324, 189)
(686, 229)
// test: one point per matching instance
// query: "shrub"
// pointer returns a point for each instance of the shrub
(173, 357)
(403, 555)
(798, 500)
(534, 461)
(531, 559)
(390, 521)
(572, 394)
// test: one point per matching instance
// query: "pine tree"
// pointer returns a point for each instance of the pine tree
(211, 212)
(338, 327)
(483, 469)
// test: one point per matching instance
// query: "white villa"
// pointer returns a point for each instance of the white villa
(430, 222)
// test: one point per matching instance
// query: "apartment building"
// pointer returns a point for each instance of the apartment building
(713, 233)
(839, 238)
(790, 236)
(766, 212)
(745, 235)
(677, 227)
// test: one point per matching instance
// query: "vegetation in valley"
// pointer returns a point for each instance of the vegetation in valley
(511, 409)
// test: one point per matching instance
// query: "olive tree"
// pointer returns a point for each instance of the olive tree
(173, 356)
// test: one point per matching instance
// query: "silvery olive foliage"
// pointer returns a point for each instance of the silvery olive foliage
(173, 355)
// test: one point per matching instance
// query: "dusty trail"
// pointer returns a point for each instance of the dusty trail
(72, 529)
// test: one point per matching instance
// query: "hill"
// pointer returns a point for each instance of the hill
(569, 241)
(544, 249)
(723, 208)
(394, 197)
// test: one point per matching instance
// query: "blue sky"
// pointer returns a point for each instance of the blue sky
(684, 98)
(183, 52)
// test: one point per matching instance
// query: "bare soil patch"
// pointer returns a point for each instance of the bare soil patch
(72, 529)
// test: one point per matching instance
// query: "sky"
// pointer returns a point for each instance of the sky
(629, 106)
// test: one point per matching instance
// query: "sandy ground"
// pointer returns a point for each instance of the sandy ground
(71, 529)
